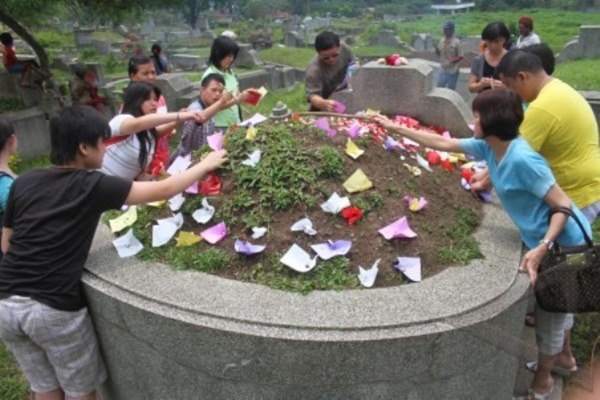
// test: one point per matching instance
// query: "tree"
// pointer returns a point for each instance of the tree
(191, 9)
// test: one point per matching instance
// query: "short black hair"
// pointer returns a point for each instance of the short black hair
(516, 61)
(212, 77)
(156, 47)
(6, 131)
(72, 126)
(546, 55)
(500, 113)
(326, 40)
(136, 61)
(221, 47)
(496, 30)
(6, 38)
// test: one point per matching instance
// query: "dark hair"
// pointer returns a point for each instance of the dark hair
(546, 55)
(133, 98)
(326, 40)
(72, 126)
(156, 47)
(212, 77)
(6, 39)
(6, 131)
(221, 48)
(500, 113)
(527, 22)
(136, 61)
(496, 30)
(79, 70)
(516, 61)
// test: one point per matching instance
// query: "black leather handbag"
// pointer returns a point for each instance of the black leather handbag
(569, 277)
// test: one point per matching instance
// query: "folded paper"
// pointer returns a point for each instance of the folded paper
(247, 248)
(215, 141)
(416, 171)
(192, 189)
(176, 202)
(258, 232)
(357, 182)
(339, 107)
(352, 149)
(367, 276)
(354, 130)
(323, 124)
(157, 204)
(352, 214)
(251, 133)
(332, 248)
(180, 164)
(176, 219)
(215, 233)
(211, 185)
(298, 259)
(127, 245)
(204, 214)
(423, 163)
(415, 204)
(305, 225)
(255, 120)
(398, 229)
(163, 232)
(410, 267)
(252, 159)
(335, 204)
(124, 220)
(185, 239)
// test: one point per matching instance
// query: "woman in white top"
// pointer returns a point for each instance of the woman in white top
(133, 134)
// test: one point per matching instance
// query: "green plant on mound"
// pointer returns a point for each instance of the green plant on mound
(462, 248)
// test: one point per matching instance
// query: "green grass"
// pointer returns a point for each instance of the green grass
(374, 51)
(13, 385)
(293, 56)
(581, 74)
(9, 105)
(463, 247)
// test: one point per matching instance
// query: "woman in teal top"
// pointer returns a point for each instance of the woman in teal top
(528, 191)
(222, 55)
(8, 145)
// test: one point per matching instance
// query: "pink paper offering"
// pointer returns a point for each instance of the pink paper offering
(193, 188)
(215, 141)
(415, 204)
(215, 233)
(323, 124)
(247, 248)
(398, 229)
(354, 130)
(339, 107)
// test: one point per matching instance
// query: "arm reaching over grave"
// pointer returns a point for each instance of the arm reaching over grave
(132, 125)
(431, 140)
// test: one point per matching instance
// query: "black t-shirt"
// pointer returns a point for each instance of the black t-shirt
(53, 214)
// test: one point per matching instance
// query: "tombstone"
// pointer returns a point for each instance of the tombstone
(83, 37)
(587, 45)
(421, 42)
(102, 48)
(350, 40)
(187, 62)
(385, 37)
(172, 87)
(247, 57)
(293, 39)
(472, 44)
(202, 23)
(419, 98)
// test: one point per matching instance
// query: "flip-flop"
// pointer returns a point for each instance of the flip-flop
(531, 395)
(558, 370)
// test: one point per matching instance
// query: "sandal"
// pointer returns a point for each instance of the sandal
(558, 370)
(530, 320)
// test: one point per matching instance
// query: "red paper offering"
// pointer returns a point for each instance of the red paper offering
(211, 186)
(254, 97)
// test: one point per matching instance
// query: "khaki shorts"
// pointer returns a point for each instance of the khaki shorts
(55, 349)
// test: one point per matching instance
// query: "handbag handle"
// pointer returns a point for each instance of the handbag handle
(571, 214)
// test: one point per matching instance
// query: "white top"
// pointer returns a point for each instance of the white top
(121, 159)
(524, 41)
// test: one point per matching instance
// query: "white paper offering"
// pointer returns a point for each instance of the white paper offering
(180, 164)
(163, 232)
(127, 245)
(252, 159)
(367, 276)
(255, 120)
(176, 202)
(304, 225)
(298, 259)
(204, 214)
(335, 204)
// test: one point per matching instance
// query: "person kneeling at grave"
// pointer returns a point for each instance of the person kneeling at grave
(329, 71)
(211, 100)
(49, 223)
(528, 191)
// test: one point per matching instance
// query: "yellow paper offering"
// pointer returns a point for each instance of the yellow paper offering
(124, 220)
(352, 149)
(187, 239)
(262, 92)
(414, 205)
(358, 182)
(372, 112)
(459, 156)
(157, 204)
(452, 159)
(416, 171)
(251, 133)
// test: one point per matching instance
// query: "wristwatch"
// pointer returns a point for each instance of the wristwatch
(549, 243)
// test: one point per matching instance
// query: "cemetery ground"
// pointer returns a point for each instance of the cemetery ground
(555, 28)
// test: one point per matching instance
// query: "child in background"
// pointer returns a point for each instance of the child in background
(49, 224)
(14, 65)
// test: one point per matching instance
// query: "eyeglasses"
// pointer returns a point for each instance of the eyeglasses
(326, 57)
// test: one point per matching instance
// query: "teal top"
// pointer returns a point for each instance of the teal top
(522, 179)
(6, 182)
(231, 115)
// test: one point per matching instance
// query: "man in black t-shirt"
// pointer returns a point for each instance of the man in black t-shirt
(48, 228)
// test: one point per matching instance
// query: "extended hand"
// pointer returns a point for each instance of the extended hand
(531, 261)
(214, 159)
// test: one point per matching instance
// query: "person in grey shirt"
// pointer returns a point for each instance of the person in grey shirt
(450, 54)
(328, 71)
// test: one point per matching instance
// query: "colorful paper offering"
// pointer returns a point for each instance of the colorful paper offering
(304, 225)
(352, 214)
(415, 204)
(215, 233)
(335, 204)
(185, 239)
(215, 141)
(204, 214)
(367, 276)
(211, 185)
(410, 267)
(352, 149)
(127, 245)
(125, 220)
(247, 248)
(323, 124)
(398, 229)
(298, 259)
(332, 248)
(354, 130)
(253, 159)
(357, 182)
(251, 133)
(339, 107)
